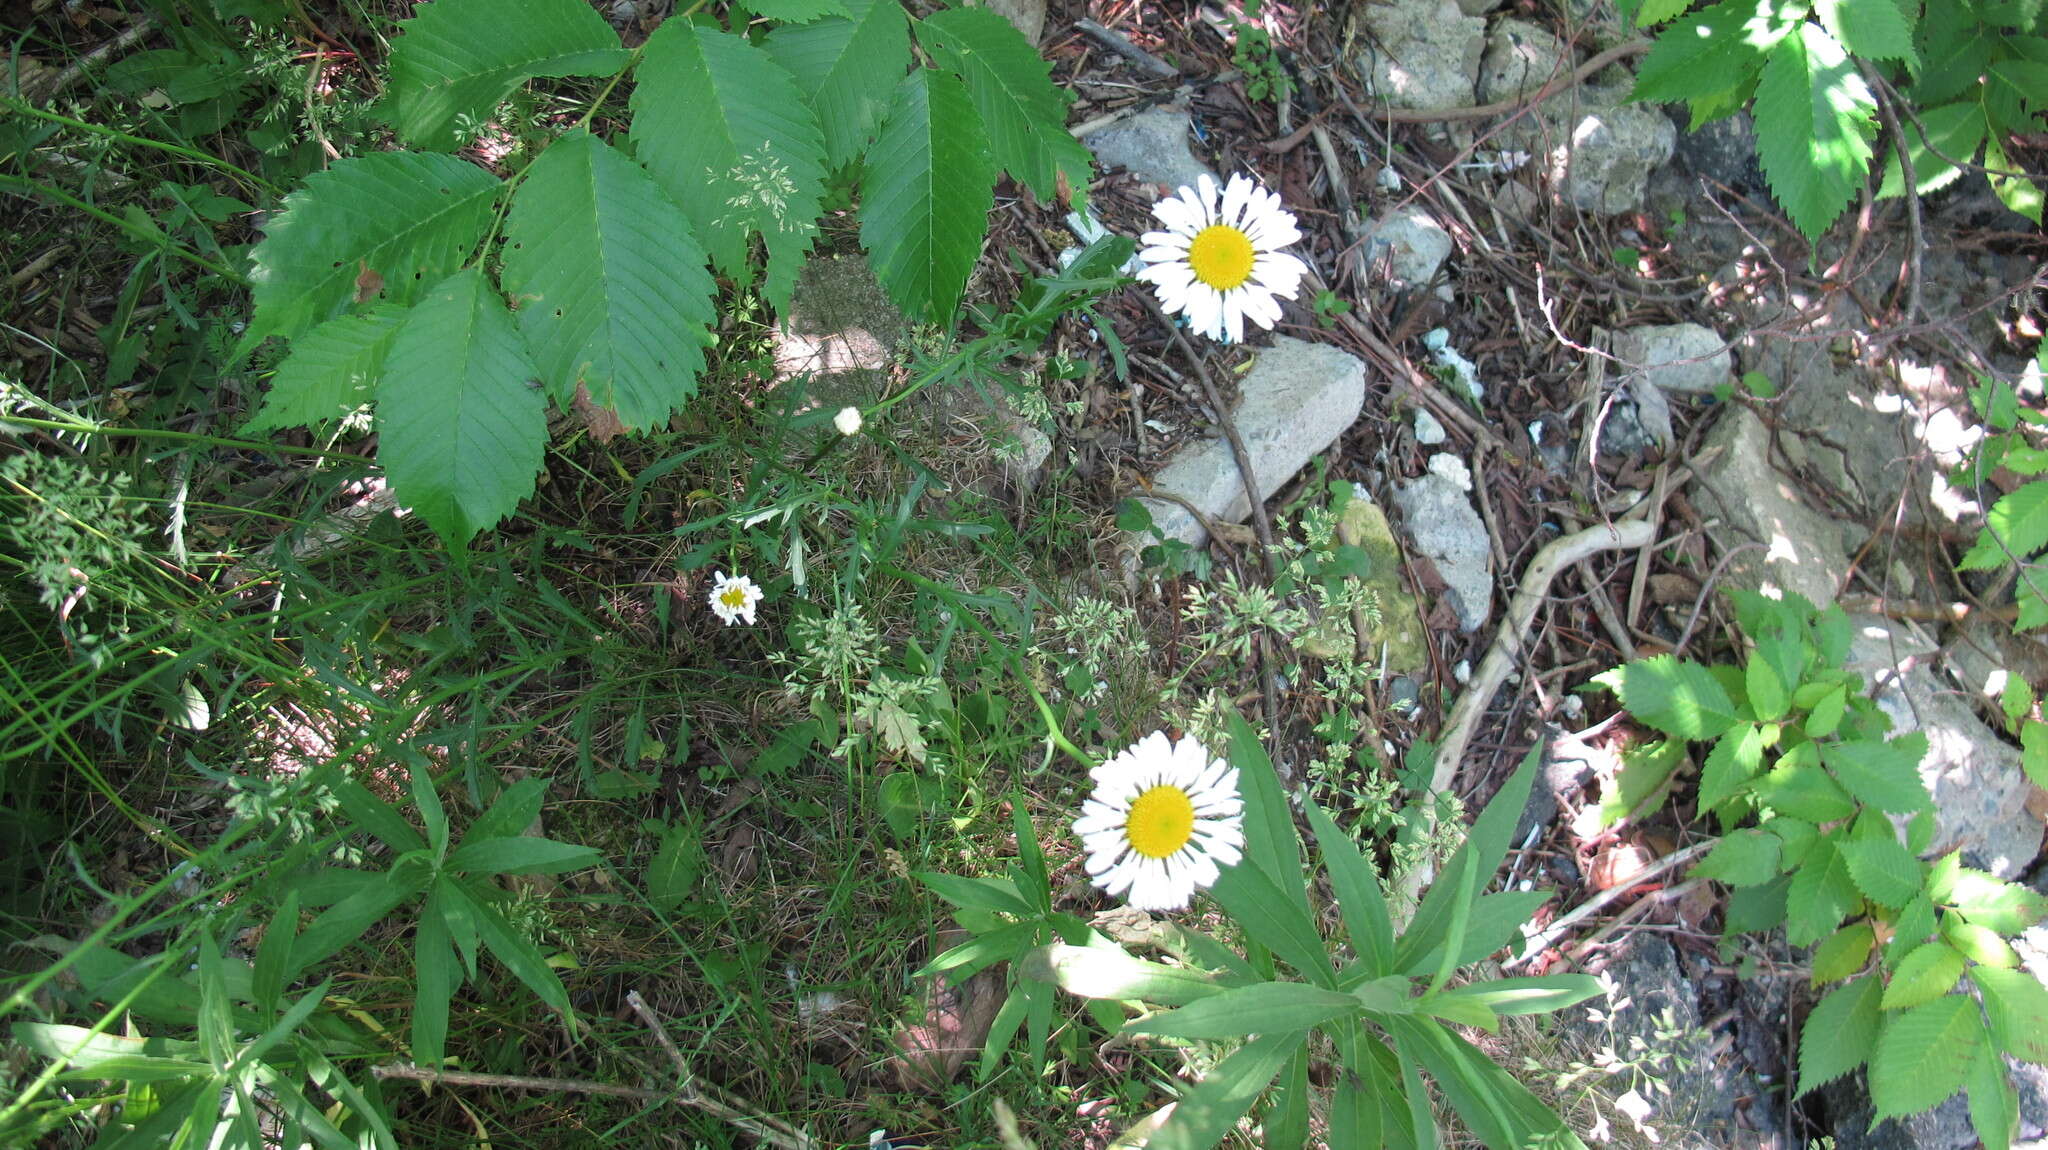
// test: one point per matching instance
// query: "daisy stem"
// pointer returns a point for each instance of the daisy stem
(1053, 734)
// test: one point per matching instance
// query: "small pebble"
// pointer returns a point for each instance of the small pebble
(1451, 469)
(1428, 431)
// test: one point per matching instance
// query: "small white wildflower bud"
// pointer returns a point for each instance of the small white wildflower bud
(847, 421)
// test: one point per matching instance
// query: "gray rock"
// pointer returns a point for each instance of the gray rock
(1447, 530)
(1426, 53)
(1802, 548)
(1296, 400)
(1623, 430)
(1478, 7)
(1723, 151)
(1675, 357)
(1833, 426)
(1597, 150)
(1946, 1127)
(842, 331)
(1429, 431)
(1980, 790)
(1520, 57)
(1410, 244)
(1028, 16)
(1152, 145)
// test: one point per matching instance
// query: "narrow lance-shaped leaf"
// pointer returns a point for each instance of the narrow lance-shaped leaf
(1210, 1110)
(725, 130)
(459, 58)
(846, 68)
(405, 218)
(612, 290)
(925, 195)
(1821, 117)
(462, 425)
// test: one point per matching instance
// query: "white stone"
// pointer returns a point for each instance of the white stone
(1520, 57)
(1428, 430)
(1423, 53)
(1803, 548)
(1450, 533)
(1296, 400)
(1675, 357)
(1452, 469)
(1410, 244)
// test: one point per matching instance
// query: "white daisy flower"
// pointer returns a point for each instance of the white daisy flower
(1164, 819)
(1219, 259)
(734, 597)
(848, 420)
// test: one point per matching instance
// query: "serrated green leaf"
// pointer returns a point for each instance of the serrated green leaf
(1261, 1008)
(1840, 1033)
(1654, 12)
(1925, 974)
(1911, 928)
(1818, 117)
(847, 69)
(1979, 944)
(1676, 696)
(925, 196)
(1884, 870)
(2017, 1005)
(1713, 49)
(459, 58)
(329, 373)
(1745, 858)
(1821, 895)
(1875, 29)
(1211, 1109)
(1827, 714)
(1024, 112)
(1798, 835)
(2016, 528)
(462, 428)
(1768, 694)
(1922, 1056)
(725, 130)
(1951, 130)
(796, 11)
(1843, 953)
(1994, 1104)
(1734, 760)
(2034, 751)
(1884, 775)
(2013, 187)
(407, 217)
(612, 289)
(1798, 787)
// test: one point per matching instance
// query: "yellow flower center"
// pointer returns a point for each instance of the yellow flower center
(734, 597)
(1221, 256)
(1161, 821)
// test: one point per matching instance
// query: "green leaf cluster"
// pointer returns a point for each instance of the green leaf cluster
(1971, 74)
(1807, 788)
(1385, 1002)
(456, 306)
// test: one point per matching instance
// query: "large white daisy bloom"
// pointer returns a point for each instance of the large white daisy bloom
(734, 597)
(1219, 259)
(1164, 819)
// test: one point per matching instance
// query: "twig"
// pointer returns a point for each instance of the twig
(1550, 934)
(1707, 588)
(1115, 42)
(699, 1095)
(1912, 184)
(517, 1082)
(131, 36)
(1404, 373)
(1507, 650)
(1557, 84)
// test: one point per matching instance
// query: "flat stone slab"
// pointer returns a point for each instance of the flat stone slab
(1296, 400)
(1802, 548)
(1425, 53)
(1152, 146)
(1676, 356)
(1446, 528)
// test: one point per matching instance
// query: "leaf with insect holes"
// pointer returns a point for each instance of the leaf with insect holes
(458, 58)
(1839, 1033)
(1815, 117)
(1024, 112)
(462, 427)
(925, 195)
(330, 371)
(725, 130)
(1923, 1054)
(612, 289)
(411, 217)
(847, 69)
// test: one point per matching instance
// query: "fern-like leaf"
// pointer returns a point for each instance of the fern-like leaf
(1923, 1054)
(847, 70)
(1816, 117)
(331, 371)
(1024, 112)
(925, 195)
(461, 425)
(459, 58)
(611, 286)
(405, 218)
(726, 131)
(1839, 1033)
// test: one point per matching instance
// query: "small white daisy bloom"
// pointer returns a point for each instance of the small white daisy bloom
(1219, 259)
(1164, 819)
(734, 597)
(847, 421)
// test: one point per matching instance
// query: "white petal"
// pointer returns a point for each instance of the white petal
(1178, 215)
(1206, 185)
(1236, 195)
(1233, 316)
(1173, 240)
